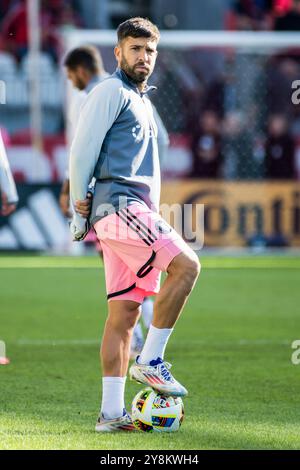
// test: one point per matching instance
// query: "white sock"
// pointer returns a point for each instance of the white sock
(113, 404)
(155, 344)
(147, 312)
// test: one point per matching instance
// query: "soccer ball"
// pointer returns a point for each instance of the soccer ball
(153, 411)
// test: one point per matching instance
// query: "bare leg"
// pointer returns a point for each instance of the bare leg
(182, 275)
(115, 347)
(183, 272)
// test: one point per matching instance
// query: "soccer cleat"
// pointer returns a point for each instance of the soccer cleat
(124, 423)
(157, 376)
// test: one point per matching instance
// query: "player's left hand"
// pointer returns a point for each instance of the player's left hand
(84, 207)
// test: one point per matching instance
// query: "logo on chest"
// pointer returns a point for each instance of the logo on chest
(139, 133)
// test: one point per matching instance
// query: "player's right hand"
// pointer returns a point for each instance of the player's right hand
(84, 207)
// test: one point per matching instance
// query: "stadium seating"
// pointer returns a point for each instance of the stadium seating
(16, 78)
(8, 65)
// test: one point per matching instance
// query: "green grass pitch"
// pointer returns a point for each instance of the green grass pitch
(231, 348)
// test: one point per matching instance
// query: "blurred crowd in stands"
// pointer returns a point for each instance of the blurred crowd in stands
(238, 124)
(248, 126)
(264, 15)
(54, 14)
(278, 15)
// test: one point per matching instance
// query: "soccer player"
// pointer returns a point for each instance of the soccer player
(9, 196)
(116, 142)
(9, 200)
(84, 68)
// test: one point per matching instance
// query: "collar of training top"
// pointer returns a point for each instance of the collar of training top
(121, 74)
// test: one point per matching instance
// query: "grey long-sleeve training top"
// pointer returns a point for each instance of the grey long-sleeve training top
(115, 142)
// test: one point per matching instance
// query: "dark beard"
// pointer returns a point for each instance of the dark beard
(136, 77)
(80, 85)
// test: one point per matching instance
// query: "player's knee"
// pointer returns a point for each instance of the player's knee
(186, 266)
(130, 320)
(127, 320)
(192, 265)
(190, 276)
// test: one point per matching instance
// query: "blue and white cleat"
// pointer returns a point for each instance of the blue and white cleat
(124, 423)
(157, 376)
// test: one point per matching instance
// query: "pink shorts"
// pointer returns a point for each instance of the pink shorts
(137, 245)
(92, 238)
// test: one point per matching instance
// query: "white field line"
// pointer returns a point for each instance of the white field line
(57, 342)
(93, 342)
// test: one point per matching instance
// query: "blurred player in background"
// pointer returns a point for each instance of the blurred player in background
(84, 68)
(9, 196)
(9, 200)
(116, 142)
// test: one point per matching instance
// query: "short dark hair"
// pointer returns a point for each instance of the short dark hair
(85, 56)
(136, 28)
